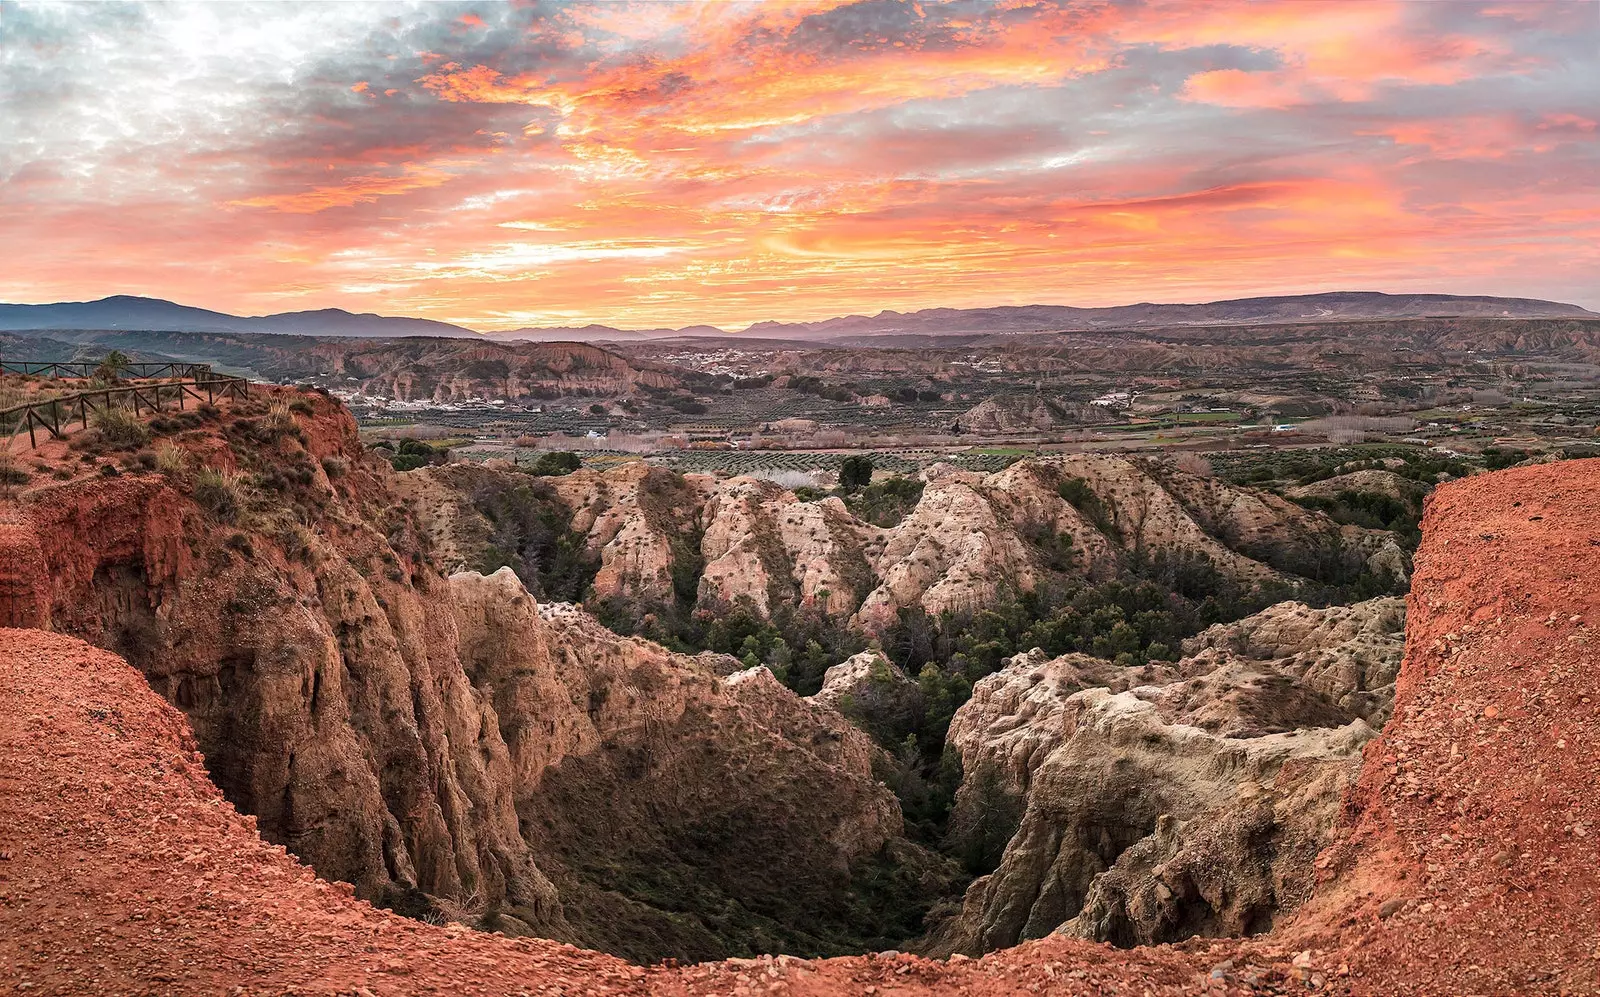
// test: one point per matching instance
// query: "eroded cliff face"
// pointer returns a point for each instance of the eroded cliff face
(1463, 862)
(444, 744)
(677, 809)
(316, 666)
(660, 537)
(971, 541)
(645, 525)
(1147, 805)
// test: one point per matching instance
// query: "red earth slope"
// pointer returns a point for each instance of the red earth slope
(1467, 863)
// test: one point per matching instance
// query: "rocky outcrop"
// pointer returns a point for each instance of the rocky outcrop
(1029, 414)
(972, 540)
(448, 746)
(951, 553)
(661, 536)
(649, 786)
(1368, 480)
(745, 555)
(860, 676)
(1121, 775)
(644, 523)
(1146, 805)
(1349, 655)
(318, 668)
(829, 553)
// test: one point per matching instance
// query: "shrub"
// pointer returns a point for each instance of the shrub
(1083, 498)
(556, 463)
(886, 503)
(120, 428)
(10, 474)
(112, 367)
(172, 461)
(279, 420)
(415, 453)
(334, 467)
(218, 493)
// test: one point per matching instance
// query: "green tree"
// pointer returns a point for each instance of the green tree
(556, 463)
(112, 367)
(855, 473)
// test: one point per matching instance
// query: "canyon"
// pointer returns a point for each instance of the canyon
(459, 750)
(1459, 861)
(969, 542)
(442, 743)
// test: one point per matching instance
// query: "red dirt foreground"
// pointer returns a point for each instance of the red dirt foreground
(1466, 862)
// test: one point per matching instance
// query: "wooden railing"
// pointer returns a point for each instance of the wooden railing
(56, 415)
(88, 368)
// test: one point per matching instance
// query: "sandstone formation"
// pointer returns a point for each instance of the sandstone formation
(1461, 863)
(950, 553)
(971, 541)
(1348, 654)
(444, 745)
(644, 524)
(1029, 414)
(857, 676)
(626, 758)
(23, 601)
(1146, 805)
(1367, 480)
(660, 536)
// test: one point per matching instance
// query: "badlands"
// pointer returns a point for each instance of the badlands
(366, 713)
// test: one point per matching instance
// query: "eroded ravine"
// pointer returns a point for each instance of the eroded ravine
(1464, 861)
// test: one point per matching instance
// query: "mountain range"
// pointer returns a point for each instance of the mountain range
(155, 314)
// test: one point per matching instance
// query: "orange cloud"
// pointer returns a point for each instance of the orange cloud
(352, 190)
(652, 164)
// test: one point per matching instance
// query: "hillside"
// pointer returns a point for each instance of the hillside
(969, 542)
(1472, 815)
(1029, 414)
(372, 715)
(412, 368)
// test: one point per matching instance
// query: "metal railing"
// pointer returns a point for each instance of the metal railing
(56, 415)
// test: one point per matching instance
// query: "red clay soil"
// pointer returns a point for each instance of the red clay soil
(1467, 862)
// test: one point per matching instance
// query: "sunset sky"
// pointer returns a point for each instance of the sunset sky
(664, 164)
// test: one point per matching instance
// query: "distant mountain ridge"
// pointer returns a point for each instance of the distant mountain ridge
(1331, 306)
(157, 315)
(125, 311)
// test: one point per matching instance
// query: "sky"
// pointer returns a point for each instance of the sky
(664, 164)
